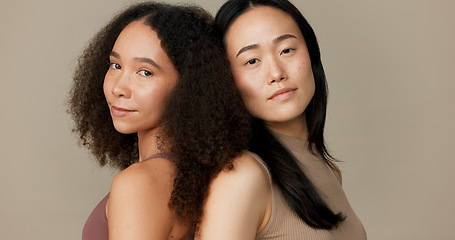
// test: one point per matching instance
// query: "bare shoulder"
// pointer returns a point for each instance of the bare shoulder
(247, 168)
(238, 203)
(145, 174)
(138, 202)
(149, 182)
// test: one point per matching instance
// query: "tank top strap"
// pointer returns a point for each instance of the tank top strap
(262, 163)
(169, 156)
(275, 194)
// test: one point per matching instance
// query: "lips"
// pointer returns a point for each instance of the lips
(282, 94)
(121, 112)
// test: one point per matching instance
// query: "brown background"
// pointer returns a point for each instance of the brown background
(390, 66)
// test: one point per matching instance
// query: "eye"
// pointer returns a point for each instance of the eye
(114, 65)
(145, 73)
(287, 51)
(252, 61)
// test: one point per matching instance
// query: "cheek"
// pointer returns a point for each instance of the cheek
(310, 81)
(302, 70)
(246, 83)
(251, 96)
(154, 98)
(106, 87)
(148, 97)
(246, 88)
(307, 85)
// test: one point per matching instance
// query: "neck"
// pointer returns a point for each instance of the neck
(296, 127)
(147, 143)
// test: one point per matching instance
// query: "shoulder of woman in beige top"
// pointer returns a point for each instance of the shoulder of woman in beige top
(239, 202)
(336, 170)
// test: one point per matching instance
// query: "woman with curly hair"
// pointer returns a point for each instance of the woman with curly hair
(153, 96)
(275, 60)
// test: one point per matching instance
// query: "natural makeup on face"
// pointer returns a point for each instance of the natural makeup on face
(139, 80)
(271, 65)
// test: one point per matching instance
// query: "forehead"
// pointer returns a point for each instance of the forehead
(138, 39)
(261, 23)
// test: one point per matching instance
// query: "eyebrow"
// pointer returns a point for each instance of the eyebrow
(148, 60)
(249, 47)
(283, 37)
(256, 46)
(139, 59)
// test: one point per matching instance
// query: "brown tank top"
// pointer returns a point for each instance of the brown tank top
(96, 226)
(284, 224)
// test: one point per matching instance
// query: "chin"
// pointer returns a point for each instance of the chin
(283, 116)
(278, 119)
(123, 129)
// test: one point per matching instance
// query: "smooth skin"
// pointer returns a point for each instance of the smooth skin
(137, 85)
(268, 53)
(272, 69)
(239, 202)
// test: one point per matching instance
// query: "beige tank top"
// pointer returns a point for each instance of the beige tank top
(284, 224)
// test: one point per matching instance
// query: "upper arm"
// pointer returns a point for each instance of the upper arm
(237, 203)
(138, 202)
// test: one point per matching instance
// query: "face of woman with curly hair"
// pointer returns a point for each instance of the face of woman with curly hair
(271, 65)
(139, 80)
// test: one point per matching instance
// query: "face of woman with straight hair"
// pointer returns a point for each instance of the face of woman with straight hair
(271, 65)
(139, 81)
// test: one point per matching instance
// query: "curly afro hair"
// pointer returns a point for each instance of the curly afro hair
(207, 124)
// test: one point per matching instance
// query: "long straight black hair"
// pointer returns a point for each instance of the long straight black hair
(299, 192)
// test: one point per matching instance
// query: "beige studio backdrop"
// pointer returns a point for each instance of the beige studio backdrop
(390, 67)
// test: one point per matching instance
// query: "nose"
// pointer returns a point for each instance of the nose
(121, 85)
(276, 72)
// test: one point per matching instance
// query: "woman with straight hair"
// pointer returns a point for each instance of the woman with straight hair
(153, 96)
(275, 60)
